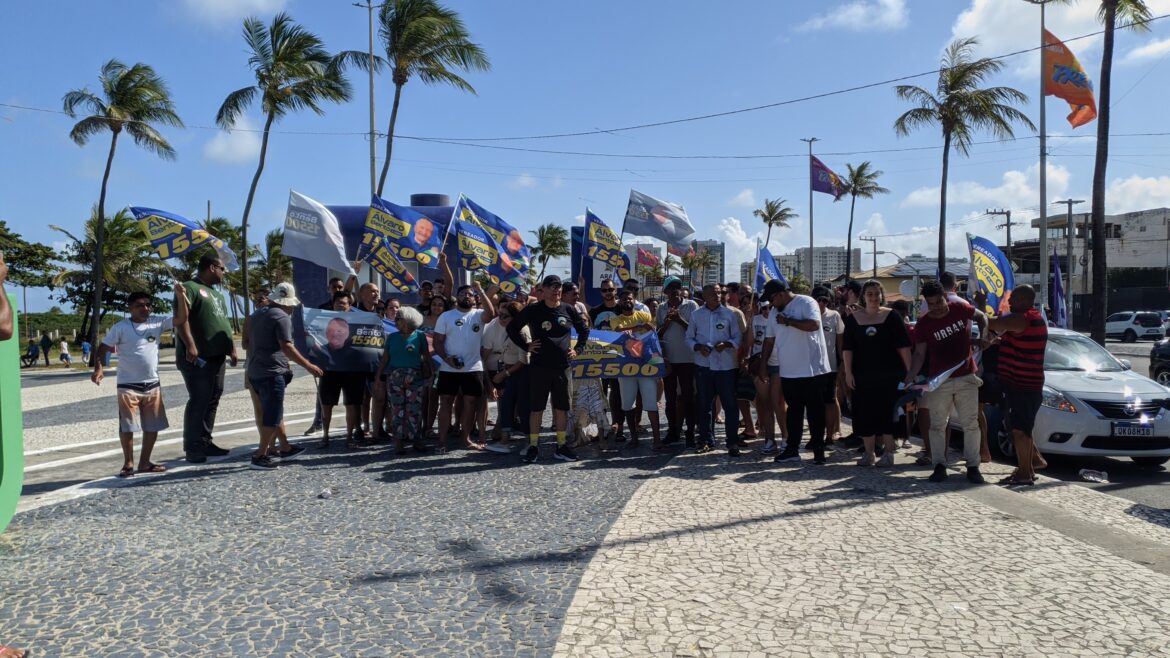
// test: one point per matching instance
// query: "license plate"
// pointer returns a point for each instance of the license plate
(1133, 430)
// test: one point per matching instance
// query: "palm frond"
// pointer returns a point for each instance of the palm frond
(233, 107)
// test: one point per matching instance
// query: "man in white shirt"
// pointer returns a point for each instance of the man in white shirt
(136, 340)
(794, 349)
(714, 335)
(457, 338)
(833, 326)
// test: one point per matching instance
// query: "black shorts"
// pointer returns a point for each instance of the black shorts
(333, 383)
(546, 382)
(470, 384)
(828, 382)
(1022, 409)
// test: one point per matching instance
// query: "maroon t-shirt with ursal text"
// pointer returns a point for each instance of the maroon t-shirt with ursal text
(948, 339)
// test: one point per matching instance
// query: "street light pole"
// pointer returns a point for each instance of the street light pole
(1043, 167)
(1068, 245)
(809, 141)
(369, 5)
(875, 253)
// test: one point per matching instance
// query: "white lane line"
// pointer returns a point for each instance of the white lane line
(175, 430)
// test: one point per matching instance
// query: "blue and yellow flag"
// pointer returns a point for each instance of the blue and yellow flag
(410, 234)
(767, 269)
(991, 272)
(172, 235)
(384, 262)
(502, 232)
(478, 250)
(602, 244)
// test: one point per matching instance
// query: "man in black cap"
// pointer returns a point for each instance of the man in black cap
(550, 322)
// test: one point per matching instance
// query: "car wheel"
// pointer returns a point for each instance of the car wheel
(1001, 443)
(1162, 376)
(1130, 336)
(1150, 462)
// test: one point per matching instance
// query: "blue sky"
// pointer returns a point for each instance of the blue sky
(561, 67)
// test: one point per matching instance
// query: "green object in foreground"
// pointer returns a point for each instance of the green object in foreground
(11, 430)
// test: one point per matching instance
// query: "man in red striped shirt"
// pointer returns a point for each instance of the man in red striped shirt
(1024, 337)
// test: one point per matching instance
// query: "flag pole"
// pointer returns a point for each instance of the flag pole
(809, 141)
(1043, 172)
(581, 260)
(451, 224)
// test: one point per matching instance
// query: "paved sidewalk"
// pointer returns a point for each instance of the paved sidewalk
(718, 559)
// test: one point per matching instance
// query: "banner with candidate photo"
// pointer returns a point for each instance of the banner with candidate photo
(602, 244)
(478, 250)
(506, 235)
(409, 234)
(172, 235)
(343, 341)
(615, 355)
(654, 218)
(378, 255)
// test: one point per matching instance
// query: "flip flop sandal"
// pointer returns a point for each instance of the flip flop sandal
(153, 468)
(124, 473)
(1015, 482)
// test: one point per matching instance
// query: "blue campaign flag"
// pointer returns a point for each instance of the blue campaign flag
(767, 269)
(602, 244)
(172, 235)
(410, 234)
(478, 250)
(992, 273)
(502, 232)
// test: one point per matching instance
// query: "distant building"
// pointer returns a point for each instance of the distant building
(714, 273)
(903, 279)
(828, 262)
(747, 272)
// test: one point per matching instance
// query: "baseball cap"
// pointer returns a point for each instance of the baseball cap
(551, 280)
(284, 294)
(671, 281)
(772, 287)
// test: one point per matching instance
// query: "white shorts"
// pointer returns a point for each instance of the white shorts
(149, 405)
(632, 386)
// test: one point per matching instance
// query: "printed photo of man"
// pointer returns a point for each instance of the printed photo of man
(424, 230)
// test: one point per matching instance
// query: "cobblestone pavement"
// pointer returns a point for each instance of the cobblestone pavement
(441, 555)
(712, 558)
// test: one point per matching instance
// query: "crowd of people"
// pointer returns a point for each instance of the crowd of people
(769, 364)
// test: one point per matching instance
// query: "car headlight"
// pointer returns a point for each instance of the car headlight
(1053, 399)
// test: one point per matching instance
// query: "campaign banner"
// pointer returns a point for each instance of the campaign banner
(479, 251)
(340, 341)
(311, 233)
(1065, 78)
(767, 269)
(172, 235)
(615, 354)
(822, 179)
(409, 234)
(992, 273)
(378, 255)
(602, 244)
(506, 235)
(654, 218)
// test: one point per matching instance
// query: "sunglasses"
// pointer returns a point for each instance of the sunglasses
(605, 290)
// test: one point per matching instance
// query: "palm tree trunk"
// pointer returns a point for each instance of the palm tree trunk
(543, 264)
(849, 240)
(768, 236)
(1099, 306)
(942, 208)
(248, 207)
(390, 137)
(99, 243)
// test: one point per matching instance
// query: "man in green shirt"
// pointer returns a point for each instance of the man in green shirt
(205, 343)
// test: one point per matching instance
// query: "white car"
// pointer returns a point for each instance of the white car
(1131, 326)
(1095, 405)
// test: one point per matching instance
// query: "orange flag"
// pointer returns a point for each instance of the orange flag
(1065, 78)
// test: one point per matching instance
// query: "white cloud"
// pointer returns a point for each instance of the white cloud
(580, 219)
(1137, 193)
(745, 199)
(234, 146)
(740, 247)
(1148, 51)
(557, 182)
(523, 182)
(225, 12)
(1018, 189)
(862, 16)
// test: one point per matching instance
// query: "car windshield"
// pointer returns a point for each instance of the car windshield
(1067, 352)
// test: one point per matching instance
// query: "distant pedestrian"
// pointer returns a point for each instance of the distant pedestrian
(136, 338)
(63, 354)
(46, 345)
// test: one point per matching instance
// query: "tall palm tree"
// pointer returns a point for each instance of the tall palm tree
(552, 241)
(775, 214)
(272, 265)
(1135, 13)
(425, 39)
(861, 181)
(697, 261)
(132, 99)
(960, 107)
(293, 72)
(670, 264)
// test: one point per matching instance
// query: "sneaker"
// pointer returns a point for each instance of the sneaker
(293, 451)
(531, 454)
(939, 474)
(703, 448)
(565, 454)
(887, 459)
(264, 463)
(212, 450)
(787, 457)
(196, 457)
(974, 476)
(499, 447)
(313, 429)
(769, 447)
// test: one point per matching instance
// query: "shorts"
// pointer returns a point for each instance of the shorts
(334, 383)
(148, 403)
(632, 386)
(549, 382)
(1022, 409)
(828, 382)
(470, 384)
(270, 392)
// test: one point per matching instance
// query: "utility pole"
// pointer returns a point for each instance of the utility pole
(809, 141)
(369, 5)
(875, 253)
(1068, 239)
(1043, 296)
(1008, 224)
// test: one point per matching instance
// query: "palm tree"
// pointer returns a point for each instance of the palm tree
(775, 214)
(961, 108)
(670, 264)
(697, 261)
(859, 182)
(134, 99)
(293, 72)
(1135, 13)
(273, 266)
(425, 39)
(552, 241)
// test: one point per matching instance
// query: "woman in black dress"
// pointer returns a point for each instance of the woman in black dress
(876, 357)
